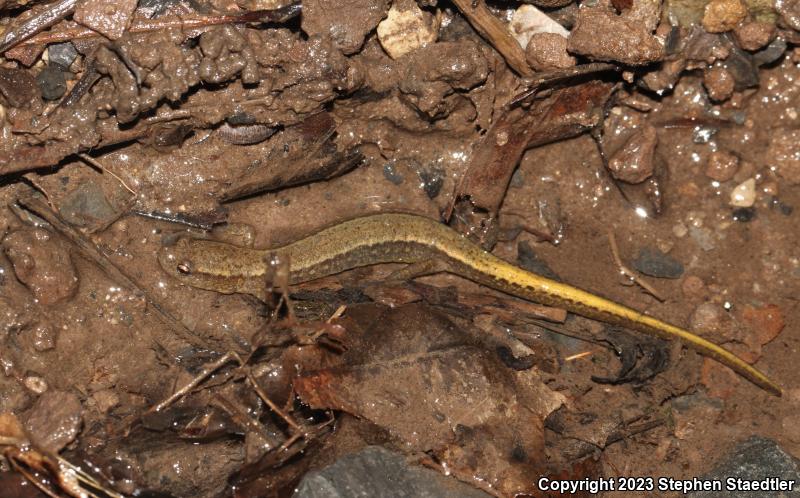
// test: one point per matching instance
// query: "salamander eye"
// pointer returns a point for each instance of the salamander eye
(184, 269)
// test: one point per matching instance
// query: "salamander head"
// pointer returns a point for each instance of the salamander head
(212, 265)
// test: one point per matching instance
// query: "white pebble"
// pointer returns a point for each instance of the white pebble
(406, 28)
(528, 21)
(744, 195)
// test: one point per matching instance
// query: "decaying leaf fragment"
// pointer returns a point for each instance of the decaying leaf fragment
(417, 375)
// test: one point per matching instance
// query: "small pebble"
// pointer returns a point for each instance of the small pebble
(246, 134)
(406, 29)
(722, 165)
(104, 400)
(680, 230)
(528, 21)
(752, 36)
(752, 461)
(87, 206)
(742, 69)
(431, 180)
(693, 413)
(548, 51)
(634, 162)
(390, 173)
(52, 82)
(723, 15)
(767, 321)
(62, 53)
(693, 287)
(771, 53)
(43, 265)
(55, 420)
(707, 319)
(154, 8)
(703, 237)
(719, 83)
(744, 195)
(35, 384)
(655, 263)
(784, 154)
(43, 337)
(744, 215)
(703, 134)
(517, 179)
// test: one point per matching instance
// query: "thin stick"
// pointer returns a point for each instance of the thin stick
(627, 272)
(207, 370)
(92, 162)
(241, 418)
(578, 356)
(31, 478)
(552, 77)
(148, 25)
(90, 251)
(495, 32)
(52, 14)
(261, 394)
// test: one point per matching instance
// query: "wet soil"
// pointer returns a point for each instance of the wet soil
(694, 162)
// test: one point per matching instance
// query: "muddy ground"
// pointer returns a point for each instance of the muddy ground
(648, 152)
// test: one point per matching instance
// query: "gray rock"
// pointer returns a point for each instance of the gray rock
(87, 206)
(431, 180)
(756, 458)
(52, 82)
(390, 173)
(62, 53)
(703, 237)
(375, 471)
(657, 264)
(770, 53)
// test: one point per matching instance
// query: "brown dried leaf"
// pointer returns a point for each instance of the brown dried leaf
(568, 112)
(415, 374)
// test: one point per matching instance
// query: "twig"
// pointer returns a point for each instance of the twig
(491, 28)
(209, 369)
(261, 394)
(627, 272)
(52, 472)
(551, 77)
(51, 15)
(622, 434)
(149, 25)
(92, 253)
(243, 419)
(578, 356)
(200, 377)
(89, 77)
(560, 329)
(32, 178)
(92, 162)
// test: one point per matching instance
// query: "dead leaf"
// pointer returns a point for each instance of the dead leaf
(415, 374)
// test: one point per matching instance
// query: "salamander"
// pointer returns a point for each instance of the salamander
(405, 238)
